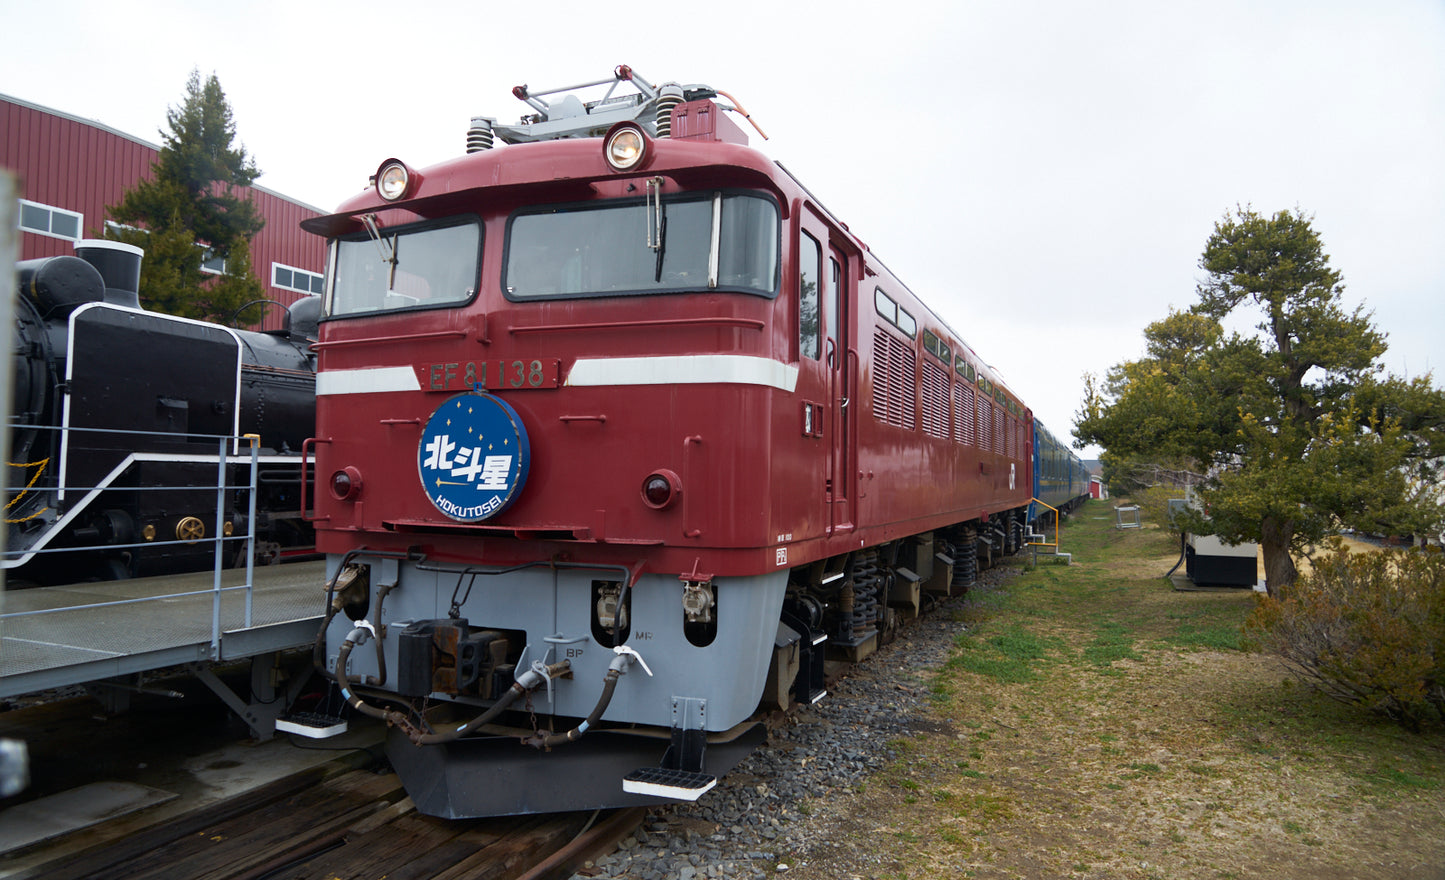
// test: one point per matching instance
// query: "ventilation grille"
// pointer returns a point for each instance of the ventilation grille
(935, 400)
(894, 383)
(963, 414)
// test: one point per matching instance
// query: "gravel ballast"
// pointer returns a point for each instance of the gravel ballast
(755, 821)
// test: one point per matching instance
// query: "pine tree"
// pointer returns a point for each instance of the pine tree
(190, 211)
(1295, 426)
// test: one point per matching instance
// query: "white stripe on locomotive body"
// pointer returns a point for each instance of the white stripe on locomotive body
(718, 369)
(367, 381)
(707, 369)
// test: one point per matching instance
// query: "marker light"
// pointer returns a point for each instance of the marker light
(660, 489)
(346, 483)
(625, 148)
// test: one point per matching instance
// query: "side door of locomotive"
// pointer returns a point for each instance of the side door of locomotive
(842, 360)
(826, 286)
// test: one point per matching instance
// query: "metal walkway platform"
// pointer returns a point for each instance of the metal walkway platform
(58, 636)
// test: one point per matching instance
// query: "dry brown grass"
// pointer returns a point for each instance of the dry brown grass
(1164, 759)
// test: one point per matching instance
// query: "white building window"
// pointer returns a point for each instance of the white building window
(210, 263)
(47, 220)
(291, 278)
(213, 264)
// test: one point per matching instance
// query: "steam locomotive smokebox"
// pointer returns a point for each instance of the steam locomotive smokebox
(119, 264)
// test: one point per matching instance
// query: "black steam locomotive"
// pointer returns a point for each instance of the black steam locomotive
(119, 460)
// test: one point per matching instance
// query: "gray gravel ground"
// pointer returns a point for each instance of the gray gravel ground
(752, 823)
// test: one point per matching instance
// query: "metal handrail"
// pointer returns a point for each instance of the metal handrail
(1058, 525)
(223, 458)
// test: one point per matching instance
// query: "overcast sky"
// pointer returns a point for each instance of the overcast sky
(1044, 174)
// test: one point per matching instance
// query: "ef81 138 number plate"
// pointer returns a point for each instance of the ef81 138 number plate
(492, 375)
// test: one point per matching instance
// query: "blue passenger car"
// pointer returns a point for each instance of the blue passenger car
(1060, 478)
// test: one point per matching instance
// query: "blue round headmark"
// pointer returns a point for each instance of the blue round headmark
(473, 457)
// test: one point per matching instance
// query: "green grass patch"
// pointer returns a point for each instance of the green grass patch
(1396, 777)
(1012, 656)
(1224, 637)
(1114, 641)
(984, 807)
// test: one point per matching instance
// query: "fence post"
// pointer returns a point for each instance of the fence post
(220, 548)
(251, 525)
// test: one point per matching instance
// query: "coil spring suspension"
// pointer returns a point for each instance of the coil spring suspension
(1010, 535)
(965, 559)
(867, 579)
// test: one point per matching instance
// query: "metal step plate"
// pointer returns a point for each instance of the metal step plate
(683, 785)
(311, 724)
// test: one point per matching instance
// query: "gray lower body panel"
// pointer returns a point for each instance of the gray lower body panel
(498, 776)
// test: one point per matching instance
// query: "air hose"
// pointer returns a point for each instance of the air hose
(626, 656)
(609, 685)
(356, 637)
(527, 681)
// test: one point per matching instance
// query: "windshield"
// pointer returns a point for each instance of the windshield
(708, 241)
(415, 266)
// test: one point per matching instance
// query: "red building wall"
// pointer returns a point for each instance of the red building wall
(81, 166)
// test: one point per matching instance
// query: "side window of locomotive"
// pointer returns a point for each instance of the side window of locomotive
(809, 257)
(906, 323)
(694, 242)
(885, 306)
(419, 266)
(831, 303)
(748, 244)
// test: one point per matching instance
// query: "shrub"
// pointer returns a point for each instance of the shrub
(1366, 629)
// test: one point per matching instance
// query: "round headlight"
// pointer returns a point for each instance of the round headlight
(392, 180)
(625, 148)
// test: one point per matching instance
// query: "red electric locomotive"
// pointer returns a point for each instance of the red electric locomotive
(619, 433)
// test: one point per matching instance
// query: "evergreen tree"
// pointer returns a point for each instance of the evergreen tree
(1295, 427)
(189, 212)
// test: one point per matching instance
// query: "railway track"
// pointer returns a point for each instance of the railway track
(340, 816)
(334, 822)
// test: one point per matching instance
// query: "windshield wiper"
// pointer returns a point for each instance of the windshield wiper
(656, 224)
(386, 247)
